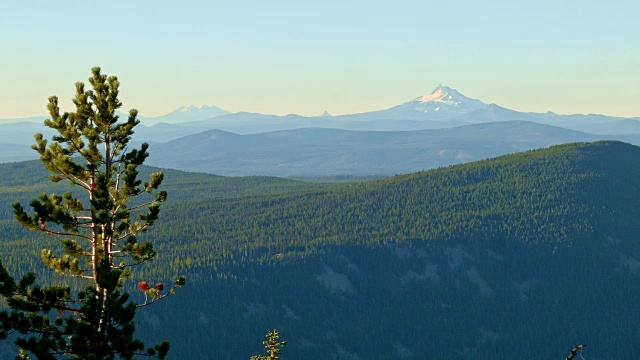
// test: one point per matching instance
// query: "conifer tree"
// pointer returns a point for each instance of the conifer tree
(272, 345)
(97, 225)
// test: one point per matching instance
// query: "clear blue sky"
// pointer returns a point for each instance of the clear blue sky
(305, 57)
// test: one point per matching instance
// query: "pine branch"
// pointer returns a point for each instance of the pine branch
(575, 351)
(59, 233)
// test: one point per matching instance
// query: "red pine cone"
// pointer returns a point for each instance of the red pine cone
(143, 285)
(159, 286)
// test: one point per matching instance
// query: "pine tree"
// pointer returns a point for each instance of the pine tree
(272, 345)
(97, 225)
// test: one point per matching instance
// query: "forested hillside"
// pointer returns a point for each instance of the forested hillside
(557, 196)
(522, 255)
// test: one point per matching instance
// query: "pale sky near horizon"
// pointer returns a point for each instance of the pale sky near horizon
(281, 57)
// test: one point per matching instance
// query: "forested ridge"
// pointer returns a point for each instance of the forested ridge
(251, 247)
(557, 196)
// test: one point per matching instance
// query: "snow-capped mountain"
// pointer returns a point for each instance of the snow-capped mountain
(443, 108)
(443, 100)
(186, 114)
(443, 103)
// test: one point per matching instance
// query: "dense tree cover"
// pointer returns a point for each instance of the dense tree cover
(558, 195)
(26, 180)
(431, 300)
(517, 243)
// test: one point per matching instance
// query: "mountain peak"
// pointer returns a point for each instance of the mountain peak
(186, 114)
(444, 98)
(194, 109)
(188, 108)
(441, 93)
(191, 108)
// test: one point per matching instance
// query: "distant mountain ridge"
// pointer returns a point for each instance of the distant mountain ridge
(329, 152)
(429, 131)
(443, 103)
(186, 114)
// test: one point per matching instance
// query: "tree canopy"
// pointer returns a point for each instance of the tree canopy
(96, 224)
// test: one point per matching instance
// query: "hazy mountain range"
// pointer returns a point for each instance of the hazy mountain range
(441, 128)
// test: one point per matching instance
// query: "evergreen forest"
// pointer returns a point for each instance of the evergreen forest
(523, 255)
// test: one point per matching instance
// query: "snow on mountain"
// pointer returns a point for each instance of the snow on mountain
(442, 104)
(189, 108)
(186, 114)
(445, 99)
(443, 108)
